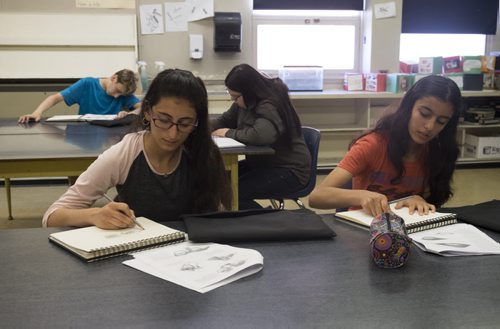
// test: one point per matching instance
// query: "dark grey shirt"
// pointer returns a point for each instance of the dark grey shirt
(263, 126)
(157, 197)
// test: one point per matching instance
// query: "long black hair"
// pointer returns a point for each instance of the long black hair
(210, 185)
(442, 151)
(256, 87)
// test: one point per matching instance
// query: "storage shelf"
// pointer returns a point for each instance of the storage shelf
(477, 126)
(341, 114)
(476, 160)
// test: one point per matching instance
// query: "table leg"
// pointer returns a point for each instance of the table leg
(231, 164)
(9, 200)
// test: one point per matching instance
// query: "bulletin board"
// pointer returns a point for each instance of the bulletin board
(66, 45)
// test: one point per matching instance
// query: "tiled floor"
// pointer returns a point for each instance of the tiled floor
(30, 202)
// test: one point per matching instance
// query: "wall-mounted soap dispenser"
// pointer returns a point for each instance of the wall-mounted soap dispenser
(196, 46)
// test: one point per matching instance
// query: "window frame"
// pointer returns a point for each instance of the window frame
(346, 17)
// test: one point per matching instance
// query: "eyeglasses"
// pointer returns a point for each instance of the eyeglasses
(166, 124)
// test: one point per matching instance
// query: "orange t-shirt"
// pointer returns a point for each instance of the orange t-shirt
(372, 170)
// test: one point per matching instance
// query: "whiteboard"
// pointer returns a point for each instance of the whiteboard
(63, 45)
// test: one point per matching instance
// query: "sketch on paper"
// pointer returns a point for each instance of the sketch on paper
(199, 9)
(230, 266)
(151, 19)
(226, 257)
(190, 267)
(188, 250)
(175, 17)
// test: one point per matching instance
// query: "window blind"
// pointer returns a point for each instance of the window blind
(308, 4)
(450, 16)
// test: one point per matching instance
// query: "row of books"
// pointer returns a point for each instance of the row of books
(401, 82)
(451, 64)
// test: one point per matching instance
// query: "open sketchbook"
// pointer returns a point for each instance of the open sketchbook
(93, 243)
(414, 222)
(226, 142)
(198, 266)
(81, 117)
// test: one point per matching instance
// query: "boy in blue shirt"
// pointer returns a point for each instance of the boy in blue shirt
(113, 95)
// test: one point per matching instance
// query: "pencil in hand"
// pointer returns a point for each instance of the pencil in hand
(133, 218)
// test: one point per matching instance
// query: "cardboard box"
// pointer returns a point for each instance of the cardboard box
(375, 81)
(482, 146)
(302, 78)
(473, 81)
(354, 82)
(399, 82)
(452, 64)
(488, 64)
(471, 64)
(430, 65)
(418, 76)
(489, 80)
(458, 78)
(408, 67)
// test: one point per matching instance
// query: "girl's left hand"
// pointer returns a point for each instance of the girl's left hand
(220, 132)
(416, 202)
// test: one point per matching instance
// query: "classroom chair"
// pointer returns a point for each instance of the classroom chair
(312, 138)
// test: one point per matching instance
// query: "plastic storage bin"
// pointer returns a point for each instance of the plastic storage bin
(302, 78)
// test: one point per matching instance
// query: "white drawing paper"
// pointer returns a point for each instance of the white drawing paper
(199, 9)
(198, 266)
(151, 19)
(384, 10)
(176, 17)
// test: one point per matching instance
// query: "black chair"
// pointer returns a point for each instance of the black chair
(312, 138)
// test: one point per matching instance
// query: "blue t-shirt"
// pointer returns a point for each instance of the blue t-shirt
(92, 98)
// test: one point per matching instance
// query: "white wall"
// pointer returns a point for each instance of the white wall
(381, 49)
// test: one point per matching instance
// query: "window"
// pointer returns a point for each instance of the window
(330, 39)
(414, 46)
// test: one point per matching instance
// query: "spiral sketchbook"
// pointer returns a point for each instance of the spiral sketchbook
(81, 117)
(93, 243)
(414, 223)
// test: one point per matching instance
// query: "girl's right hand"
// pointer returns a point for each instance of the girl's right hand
(374, 203)
(114, 216)
(27, 117)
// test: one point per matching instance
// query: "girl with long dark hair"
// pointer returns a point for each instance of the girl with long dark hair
(262, 114)
(410, 154)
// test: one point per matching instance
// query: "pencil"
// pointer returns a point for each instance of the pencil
(107, 197)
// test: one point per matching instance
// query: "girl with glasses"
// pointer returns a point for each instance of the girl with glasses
(262, 114)
(169, 167)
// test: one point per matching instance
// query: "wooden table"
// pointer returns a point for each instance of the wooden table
(67, 149)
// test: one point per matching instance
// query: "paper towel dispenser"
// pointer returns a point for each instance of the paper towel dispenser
(227, 31)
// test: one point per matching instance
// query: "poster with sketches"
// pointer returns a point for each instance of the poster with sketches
(199, 9)
(176, 17)
(151, 19)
